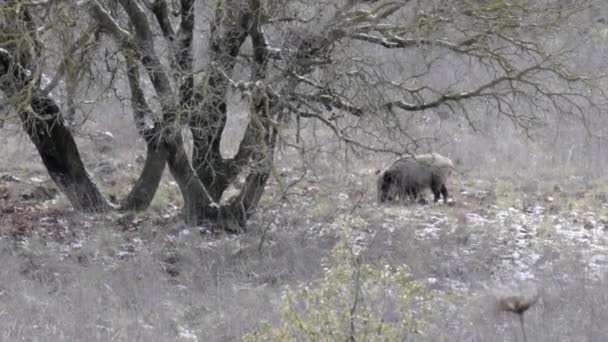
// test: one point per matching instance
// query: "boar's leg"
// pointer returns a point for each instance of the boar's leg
(436, 188)
(444, 193)
(412, 192)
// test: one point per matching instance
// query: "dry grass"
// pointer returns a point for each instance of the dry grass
(146, 277)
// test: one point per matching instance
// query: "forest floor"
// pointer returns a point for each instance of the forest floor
(148, 277)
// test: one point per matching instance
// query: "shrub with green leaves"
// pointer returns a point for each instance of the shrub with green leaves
(353, 301)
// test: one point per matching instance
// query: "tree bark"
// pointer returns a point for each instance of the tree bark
(144, 189)
(228, 33)
(46, 128)
(203, 181)
(260, 126)
(198, 205)
(55, 143)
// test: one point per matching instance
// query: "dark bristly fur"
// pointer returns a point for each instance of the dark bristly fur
(409, 176)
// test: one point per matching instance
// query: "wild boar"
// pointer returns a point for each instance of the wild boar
(409, 176)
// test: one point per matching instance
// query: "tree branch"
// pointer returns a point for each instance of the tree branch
(160, 9)
(143, 45)
(396, 42)
(519, 76)
(140, 106)
(183, 52)
(82, 42)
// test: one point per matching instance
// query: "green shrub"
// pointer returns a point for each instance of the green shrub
(353, 301)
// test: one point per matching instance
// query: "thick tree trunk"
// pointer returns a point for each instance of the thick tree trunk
(260, 136)
(55, 143)
(228, 33)
(143, 191)
(47, 129)
(244, 205)
(262, 130)
(203, 181)
(198, 205)
(206, 155)
(145, 187)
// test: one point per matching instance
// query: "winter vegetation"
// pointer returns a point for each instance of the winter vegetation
(303, 170)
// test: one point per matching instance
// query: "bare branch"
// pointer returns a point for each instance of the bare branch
(143, 45)
(183, 51)
(81, 43)
(479, 91)
(140, 106)
(105, 20)
(161, 12)
(394, 42)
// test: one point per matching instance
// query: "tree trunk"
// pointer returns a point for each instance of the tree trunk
(260, 127)
(145, 187)
(47, 129)
(260, 136)
(204, 180)
(55, 143)
(198, 205)
(143, 191)
(228, 33)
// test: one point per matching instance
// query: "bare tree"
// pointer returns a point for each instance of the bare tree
(41, 117)
(341, 63)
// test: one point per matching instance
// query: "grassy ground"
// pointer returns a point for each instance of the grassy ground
(147, 277)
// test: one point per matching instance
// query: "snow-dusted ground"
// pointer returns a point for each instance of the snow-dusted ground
(149, 277)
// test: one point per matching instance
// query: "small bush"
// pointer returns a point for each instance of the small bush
(353, 301)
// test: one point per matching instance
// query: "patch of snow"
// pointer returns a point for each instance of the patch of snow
(186, 334)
